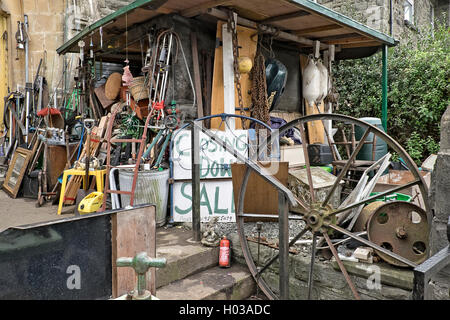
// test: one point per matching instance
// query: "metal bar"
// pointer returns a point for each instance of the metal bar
(275, 257)
(381, 194)
(347, 165)
(373, 245)
(254, 166)
(384, 87)
(283, 237)
(311, 265)
(195, 183)
(341, 266)
(265, 216)
(308, 166)
(425, 271)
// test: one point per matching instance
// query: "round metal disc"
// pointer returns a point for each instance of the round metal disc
(402, 228)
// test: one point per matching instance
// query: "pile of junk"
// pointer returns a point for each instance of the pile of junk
(108, 142)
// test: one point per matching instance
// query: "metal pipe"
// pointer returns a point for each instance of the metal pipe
(195, 183)
(28, 90)
(384, 86)
(283, 236)
(391, 22)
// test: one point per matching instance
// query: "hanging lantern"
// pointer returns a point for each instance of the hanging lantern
(311, 81)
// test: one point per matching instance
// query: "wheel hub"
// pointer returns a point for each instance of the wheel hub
(319, 217)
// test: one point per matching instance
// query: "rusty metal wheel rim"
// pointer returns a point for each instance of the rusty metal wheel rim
(261, 283)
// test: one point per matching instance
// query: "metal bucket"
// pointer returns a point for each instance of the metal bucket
(151, 187)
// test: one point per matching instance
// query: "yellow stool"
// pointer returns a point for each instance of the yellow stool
(98, 174)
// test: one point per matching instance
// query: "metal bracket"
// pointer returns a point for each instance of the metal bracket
(425, 271)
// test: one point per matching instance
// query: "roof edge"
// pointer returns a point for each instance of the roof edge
(338, 17)
(91, 28)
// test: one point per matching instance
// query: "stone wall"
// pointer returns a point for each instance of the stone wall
(376, 14)
(379, 281)
(46, 34)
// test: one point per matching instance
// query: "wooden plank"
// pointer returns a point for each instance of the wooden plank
(317, 29)
(247, 48)
(286, 16)
(261, 197)
(104, 101)
(202, 8)
(197, 84)
(133, 231)
(229, 94)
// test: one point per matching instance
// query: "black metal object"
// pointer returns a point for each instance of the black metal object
(65, 259)
(319, 154)
(68, 259)
(425, 271)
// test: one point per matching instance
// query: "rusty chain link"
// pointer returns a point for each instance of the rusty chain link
(237, 74)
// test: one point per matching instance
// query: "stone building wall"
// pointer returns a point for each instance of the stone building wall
(46, 33)
(376, 14)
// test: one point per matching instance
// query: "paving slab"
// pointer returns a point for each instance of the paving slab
(21, 211)
(184, 256)
(235, 283)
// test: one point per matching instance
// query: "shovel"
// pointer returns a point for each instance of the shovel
(82, 193)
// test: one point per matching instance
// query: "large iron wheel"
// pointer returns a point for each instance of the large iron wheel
(320, 217)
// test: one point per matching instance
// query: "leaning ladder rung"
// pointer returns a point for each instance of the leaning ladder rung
(125, 140)
(118, 192)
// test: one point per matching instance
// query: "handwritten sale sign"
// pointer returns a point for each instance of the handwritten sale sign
(216, 194)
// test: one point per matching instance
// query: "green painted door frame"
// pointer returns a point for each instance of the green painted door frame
(384, 87)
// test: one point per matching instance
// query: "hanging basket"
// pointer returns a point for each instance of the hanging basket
(138, 89)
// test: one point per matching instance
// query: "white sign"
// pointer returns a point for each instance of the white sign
(216, 197)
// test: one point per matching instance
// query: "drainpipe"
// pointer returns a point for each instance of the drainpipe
(384, 87)
(28, 85)
(391, 22)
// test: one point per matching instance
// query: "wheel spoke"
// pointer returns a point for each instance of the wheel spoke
(308, 166)
(381, 194)
(341, 266)
(311, 265)
(373, 245)
(346, 167)
(275, 257)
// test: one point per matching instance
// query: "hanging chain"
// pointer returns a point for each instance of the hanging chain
(237, 74)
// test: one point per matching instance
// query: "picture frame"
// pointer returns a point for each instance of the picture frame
(16, 171)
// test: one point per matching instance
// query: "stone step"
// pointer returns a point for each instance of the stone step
(184, 257)
(235, 283)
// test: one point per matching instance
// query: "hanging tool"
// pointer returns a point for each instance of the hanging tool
(82, 193)
(162, 63)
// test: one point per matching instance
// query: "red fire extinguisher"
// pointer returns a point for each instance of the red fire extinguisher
(225, 253)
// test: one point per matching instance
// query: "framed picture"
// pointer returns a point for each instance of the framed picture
(16, 171)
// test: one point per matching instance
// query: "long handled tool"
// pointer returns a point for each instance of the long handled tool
(82, 193)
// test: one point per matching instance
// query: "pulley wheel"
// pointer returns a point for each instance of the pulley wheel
(400, 227)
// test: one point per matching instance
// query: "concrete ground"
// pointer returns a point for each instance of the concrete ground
(21, 211)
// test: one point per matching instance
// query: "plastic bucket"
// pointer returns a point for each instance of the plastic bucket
(392, 197)
(151, 187)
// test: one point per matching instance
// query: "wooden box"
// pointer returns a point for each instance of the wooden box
(260, 197)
